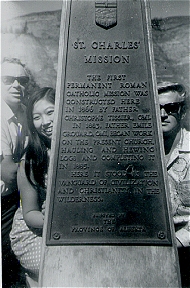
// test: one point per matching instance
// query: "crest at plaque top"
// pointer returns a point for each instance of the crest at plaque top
(106, 13)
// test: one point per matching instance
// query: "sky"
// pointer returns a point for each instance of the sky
(159, 8)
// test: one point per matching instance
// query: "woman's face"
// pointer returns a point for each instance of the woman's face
(43, 114)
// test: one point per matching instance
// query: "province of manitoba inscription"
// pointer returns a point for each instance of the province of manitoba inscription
(108, 185)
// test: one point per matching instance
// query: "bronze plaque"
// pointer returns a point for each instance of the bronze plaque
(108, 180)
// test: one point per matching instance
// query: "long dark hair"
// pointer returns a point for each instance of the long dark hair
(36, 160)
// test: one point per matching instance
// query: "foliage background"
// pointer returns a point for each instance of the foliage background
(34, 38)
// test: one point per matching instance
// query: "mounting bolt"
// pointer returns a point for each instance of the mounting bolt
(161, 235)
(56, 236)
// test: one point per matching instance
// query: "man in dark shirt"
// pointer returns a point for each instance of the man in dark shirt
(14, 79)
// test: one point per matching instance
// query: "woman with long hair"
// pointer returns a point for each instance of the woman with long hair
(26, 234)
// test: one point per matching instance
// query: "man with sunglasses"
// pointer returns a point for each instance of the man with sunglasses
(172, 99)
(14, 79)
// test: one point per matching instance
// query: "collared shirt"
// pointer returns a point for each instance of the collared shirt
(178, 168)
(9, 128)
(9, 132)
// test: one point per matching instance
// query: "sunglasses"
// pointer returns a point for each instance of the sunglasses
(171, 108)
(9, 80)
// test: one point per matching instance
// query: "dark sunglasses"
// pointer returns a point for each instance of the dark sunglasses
(8, 80)
(171, 108)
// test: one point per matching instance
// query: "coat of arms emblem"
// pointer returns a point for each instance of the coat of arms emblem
(106, 13)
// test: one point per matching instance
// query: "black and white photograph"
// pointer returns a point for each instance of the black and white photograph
(95, 143)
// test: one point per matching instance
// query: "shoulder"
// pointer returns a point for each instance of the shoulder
(6, 112)
(185, 140)
(186, 133)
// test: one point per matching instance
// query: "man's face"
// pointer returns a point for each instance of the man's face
(169, 110)
(13, 82)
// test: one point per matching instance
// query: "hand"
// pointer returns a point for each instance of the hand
(43, 208)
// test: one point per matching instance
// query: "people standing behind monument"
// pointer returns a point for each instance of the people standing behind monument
(14, 81)
(172, 98)
(26, 234)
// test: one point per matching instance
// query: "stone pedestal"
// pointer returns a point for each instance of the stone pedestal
(107, 222)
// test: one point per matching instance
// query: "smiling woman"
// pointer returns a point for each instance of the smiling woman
(43, 114)
(32, 182)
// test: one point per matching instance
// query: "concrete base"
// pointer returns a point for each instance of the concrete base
(109, 266)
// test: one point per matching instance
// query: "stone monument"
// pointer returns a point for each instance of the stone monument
(107, 220)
